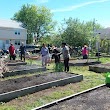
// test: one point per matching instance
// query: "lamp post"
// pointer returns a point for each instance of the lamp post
(94, 35)
(98, 47)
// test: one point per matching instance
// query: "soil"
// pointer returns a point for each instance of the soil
(107, 65)
(19, 83)
(83, 62)
(22, 67)
(98, 99)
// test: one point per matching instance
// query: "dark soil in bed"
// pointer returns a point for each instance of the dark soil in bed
(22, 67)
(83, 62)
(107, 65)
(19, 83)
(98, 99)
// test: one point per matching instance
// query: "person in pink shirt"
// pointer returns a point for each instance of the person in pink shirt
(85, 52)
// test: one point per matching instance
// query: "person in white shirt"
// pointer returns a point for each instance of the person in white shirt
(66, 55)
(45, 55)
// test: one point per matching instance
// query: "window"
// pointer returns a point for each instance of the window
(17, 42)
(16, 33)
(7, 41)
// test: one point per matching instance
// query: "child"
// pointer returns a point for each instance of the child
(56, 55)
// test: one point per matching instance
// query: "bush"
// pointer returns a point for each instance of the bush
(59, 67)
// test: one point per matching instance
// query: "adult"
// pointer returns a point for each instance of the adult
(66, 55)
(22, 50)
(45, 55)
(85, 52)
(12, 52)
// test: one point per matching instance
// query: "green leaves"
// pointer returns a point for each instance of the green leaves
(35, 19)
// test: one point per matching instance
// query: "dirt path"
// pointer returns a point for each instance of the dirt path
(98, 99)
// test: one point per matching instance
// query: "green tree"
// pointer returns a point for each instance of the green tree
(77, 33)
(35, 19)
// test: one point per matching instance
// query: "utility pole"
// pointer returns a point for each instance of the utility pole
(94, 35)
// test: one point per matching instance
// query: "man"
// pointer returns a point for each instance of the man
(12, 52)
(22, 51)
(66, 55)
(45, 55)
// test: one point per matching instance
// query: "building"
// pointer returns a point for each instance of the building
(103, 33)
(12, 32)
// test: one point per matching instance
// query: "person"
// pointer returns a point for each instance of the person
(85, 52)
(56, 55)
(49, 47)
(12, 52)
(66, 55)
(45, 55)
(22, 50)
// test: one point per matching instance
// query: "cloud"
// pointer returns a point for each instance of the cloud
(71, 8)
(42, 1)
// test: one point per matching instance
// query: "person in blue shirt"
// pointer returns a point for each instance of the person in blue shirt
(45, 55)
(22, 50)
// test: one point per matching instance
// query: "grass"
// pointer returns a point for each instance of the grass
(91, 79)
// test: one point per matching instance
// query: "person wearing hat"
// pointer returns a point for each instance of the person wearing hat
(66, 55)
(85, 52)
(22, 50)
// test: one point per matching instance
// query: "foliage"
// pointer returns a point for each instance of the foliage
(77, 33)
(59, 67)
(37, 20)
(105, 45)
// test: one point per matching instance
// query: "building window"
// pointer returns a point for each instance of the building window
(7, 41)
(17, 42)
(16, 33)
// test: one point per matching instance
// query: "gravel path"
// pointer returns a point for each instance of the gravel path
(19, 83)
(98, 99)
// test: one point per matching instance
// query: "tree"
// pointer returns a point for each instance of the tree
(35, 19)
(77, 33)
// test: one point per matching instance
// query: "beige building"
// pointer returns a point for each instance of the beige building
(103, 33)
(11, 32)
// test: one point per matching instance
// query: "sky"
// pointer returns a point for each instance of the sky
(85, 10)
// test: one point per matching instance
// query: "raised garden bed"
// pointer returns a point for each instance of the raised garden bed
(14, 62)
(83, 62)
(13, 88)
(97, 98)
(100, 68)
(23, 69)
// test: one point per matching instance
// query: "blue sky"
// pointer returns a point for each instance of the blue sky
(83, 9)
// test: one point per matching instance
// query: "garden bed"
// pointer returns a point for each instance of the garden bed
(15, 63)
(83, 62)
(12, 88)
(23, 69)
(93, 99)
(100, 68)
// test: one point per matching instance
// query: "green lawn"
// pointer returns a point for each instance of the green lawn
(91, 79)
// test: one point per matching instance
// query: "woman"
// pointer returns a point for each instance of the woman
(85, 52)
(45, 55)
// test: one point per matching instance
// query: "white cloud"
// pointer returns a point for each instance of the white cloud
(42, 1)
(78, 6)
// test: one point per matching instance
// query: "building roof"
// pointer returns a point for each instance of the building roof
(10, 24)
